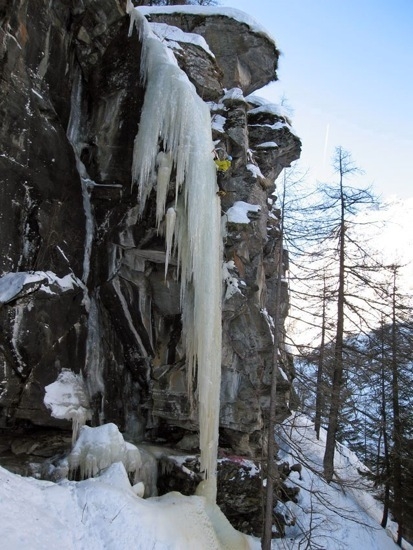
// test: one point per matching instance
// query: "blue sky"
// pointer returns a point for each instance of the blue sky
(347, 72)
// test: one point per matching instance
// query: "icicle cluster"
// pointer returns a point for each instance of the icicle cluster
(98, 448)
(175, 134)
(67, 399)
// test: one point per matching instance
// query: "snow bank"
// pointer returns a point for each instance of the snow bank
(104, 512)
(263, 106)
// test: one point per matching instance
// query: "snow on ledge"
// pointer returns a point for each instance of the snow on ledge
(238, 212)
(255, 171)
(175, 35)
(278, 126)
(231, 13)
(234, 94)
(270, 108)
(13, 283)
(267, 145)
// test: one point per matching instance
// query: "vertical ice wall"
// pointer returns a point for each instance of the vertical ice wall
(73, 135)
(176, 122)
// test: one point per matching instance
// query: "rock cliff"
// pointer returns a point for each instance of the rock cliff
(83, 287)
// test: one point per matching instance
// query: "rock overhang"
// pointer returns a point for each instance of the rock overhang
(246, 53)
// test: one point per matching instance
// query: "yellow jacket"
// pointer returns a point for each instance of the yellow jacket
(222, 165)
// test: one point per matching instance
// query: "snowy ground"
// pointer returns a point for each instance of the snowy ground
(106, 513)
(342, 515)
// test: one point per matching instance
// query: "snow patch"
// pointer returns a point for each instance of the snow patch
(267, 145)
(269, 108)
(255, 171)
(277, 126)
(12, 285)
(233, 94)
(174, 35)
(231, 282)
(218, 123)
(238, 213)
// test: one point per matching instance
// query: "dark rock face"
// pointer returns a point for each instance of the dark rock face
(42, 327)
(70, 103)
(42, 218)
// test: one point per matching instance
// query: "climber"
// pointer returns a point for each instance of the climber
(223, 165)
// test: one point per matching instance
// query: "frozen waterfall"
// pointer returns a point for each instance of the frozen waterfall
(175, 133)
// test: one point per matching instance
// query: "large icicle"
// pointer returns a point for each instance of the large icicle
(175, 119)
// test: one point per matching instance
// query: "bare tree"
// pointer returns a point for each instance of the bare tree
(331, 266)
(344, 201)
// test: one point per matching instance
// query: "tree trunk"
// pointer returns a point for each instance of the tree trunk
(386, 502)
(335, 404)
(319, 401)
(397, 425)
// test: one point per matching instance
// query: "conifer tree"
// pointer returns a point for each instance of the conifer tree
(333, 273)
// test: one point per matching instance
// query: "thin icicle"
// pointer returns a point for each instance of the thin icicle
(164, 163)
(175, 119)
(170, 219)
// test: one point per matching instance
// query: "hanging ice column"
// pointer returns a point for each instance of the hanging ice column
(177, 120)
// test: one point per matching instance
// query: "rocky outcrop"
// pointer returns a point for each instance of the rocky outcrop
(240, 488)
(247, 56)
(83, 284)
